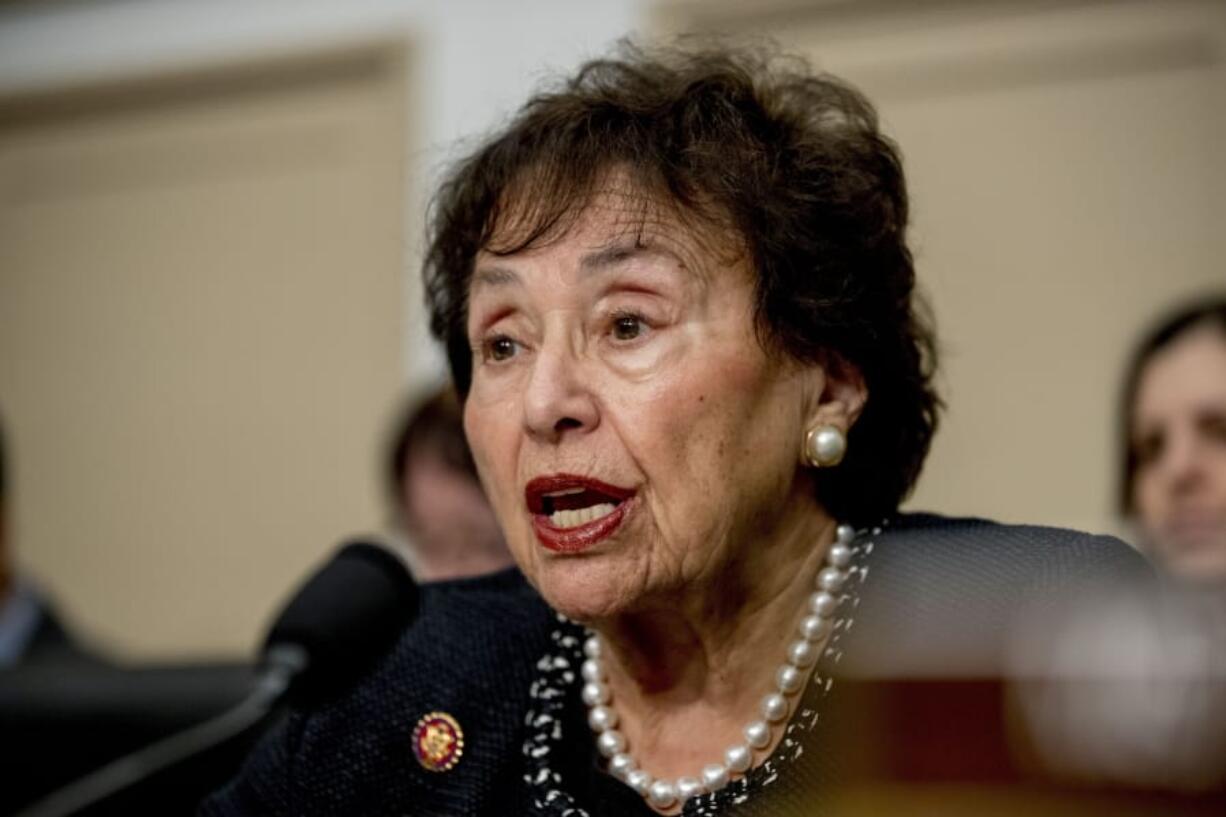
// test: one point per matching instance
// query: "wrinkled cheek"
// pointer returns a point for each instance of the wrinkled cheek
(688, 477)
(513, 523)
(493, 449)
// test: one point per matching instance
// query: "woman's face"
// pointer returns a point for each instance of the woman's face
(632, 433)
(1179, 437)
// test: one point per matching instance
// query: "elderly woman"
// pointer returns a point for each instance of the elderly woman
(677, 300)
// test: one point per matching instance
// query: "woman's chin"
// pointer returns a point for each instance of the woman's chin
(583, 592)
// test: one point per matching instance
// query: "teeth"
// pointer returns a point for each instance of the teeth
(580, 516)
(566, 492)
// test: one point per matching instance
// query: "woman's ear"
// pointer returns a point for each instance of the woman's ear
(836, 395)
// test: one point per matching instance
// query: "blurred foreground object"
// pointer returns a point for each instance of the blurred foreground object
(1124, 691)
(1106, 695)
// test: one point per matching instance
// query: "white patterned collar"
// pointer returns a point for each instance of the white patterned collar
(558, 679)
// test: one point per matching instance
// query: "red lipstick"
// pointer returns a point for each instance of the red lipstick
(547, 495)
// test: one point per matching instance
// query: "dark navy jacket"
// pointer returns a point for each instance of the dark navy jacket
(938, 596)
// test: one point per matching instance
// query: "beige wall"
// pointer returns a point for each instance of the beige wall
(127, 225)
(1068, 185)
(202, 304)
(204, 315)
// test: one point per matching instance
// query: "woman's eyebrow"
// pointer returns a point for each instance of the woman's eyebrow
(617, 254)
(494, 277)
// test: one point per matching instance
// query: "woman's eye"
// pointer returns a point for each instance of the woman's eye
(627, 327)
(1213, 426)
(1148, 449)
(500, 348)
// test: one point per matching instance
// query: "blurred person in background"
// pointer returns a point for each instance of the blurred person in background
(30, 631)
(438, 507)
(1132, 688)
(1173, 482)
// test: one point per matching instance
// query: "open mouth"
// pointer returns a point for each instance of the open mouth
(572, 512)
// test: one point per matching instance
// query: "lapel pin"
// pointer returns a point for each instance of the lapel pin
(438, 742)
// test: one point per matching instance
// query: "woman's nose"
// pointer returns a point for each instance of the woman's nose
(1184, 464)
(557, 399)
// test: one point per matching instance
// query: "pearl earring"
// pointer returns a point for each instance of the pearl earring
(825, 446)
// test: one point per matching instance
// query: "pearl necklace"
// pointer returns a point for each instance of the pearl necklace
(790, 679)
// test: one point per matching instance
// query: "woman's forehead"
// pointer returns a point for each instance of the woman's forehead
(1191, 369)
(618, 217)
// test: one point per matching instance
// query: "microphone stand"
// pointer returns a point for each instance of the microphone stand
(282, 663)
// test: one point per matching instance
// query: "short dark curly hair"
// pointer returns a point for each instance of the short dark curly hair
(791, 162)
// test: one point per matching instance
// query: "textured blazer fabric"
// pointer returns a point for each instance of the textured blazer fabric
(933, 596)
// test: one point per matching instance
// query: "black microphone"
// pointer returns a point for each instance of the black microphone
(332, 630)
(340, 620)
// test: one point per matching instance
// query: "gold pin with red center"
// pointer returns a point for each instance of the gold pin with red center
(438, 742)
